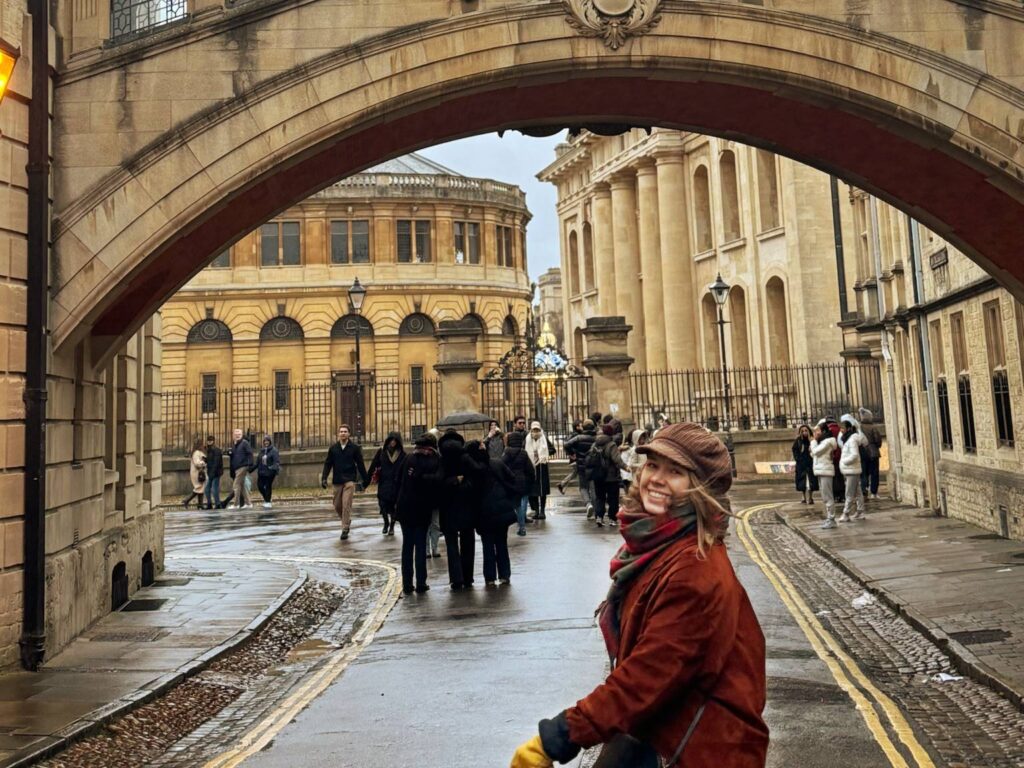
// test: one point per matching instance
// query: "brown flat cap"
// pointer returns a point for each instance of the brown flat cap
(693, 447)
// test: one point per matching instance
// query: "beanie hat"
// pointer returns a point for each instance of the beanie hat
(693, 447)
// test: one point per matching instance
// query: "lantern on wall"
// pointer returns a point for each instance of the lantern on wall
(6, 69)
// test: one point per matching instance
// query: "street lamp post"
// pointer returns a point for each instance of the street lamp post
(356, 294)
(720, 291)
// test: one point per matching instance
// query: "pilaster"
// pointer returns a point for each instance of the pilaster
(459, 366)
(608, 363)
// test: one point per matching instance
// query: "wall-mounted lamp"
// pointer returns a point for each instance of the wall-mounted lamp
(6, 68)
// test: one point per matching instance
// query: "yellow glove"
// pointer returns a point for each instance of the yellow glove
(531, 755)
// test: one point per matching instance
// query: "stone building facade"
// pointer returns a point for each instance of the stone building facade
(550, 308)
(952, 343)
(649, 220)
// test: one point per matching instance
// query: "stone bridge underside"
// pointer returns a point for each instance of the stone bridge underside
(170, 147)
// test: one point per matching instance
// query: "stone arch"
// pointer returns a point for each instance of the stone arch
(281, 329)
(509, 327)
(778, 321)
(730, 195)
(574, 264)
(767, 190)
(588, 257)
(345, 326)
(416, 324)
(129, 233)
(476, 321)
(703, 231)
(209, 331)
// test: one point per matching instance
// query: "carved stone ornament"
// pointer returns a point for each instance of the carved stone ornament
(612, 20)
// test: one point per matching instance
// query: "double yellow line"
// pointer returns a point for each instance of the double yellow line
(843, 668)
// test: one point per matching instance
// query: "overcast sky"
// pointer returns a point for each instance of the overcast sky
(514, 159)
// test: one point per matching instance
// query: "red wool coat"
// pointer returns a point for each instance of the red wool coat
(689, 636)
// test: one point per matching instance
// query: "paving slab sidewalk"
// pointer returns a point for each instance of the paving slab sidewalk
(130, 656)
(961, 585)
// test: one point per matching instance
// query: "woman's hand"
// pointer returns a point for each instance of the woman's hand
(531, 755)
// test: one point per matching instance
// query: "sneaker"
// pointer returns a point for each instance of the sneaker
(247, 506)
(600, 523)
(858, 516)
(521, 531)
(344, 534)
(489, 583)
(422, 589)
(830, 523)
(504, 581)
(267, 505)
(844, 518)
(590, 511)
(613, 523)
(874, 496)
(232, 506)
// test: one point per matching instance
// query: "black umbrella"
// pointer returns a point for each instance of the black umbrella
(462, 418)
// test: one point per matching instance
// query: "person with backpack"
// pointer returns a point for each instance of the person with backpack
(605, 465)
(497, 497)
(851, 442)
(417, 499)
(822, 447)
(871, 455)
(539, 449)
(517, 460)
(268, 465)
(578, 446)
(385, 470)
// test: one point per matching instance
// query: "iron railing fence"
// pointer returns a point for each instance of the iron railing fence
(773, 397)
(555, 401)
(302, 416)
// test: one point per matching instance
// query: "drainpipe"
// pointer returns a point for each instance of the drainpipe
(896, 456)
(927, 374)
(33, 626)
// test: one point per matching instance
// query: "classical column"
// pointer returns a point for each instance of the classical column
(650, 266)
(604, 250)
(608, 362)
(628, 298)
(679, 301)
(458, 366)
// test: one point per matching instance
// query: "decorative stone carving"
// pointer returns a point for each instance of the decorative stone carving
(612, 20)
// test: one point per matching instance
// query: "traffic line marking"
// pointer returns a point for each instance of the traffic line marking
(839, 663)
(264, 731)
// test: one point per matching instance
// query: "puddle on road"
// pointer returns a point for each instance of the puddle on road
(309, 650)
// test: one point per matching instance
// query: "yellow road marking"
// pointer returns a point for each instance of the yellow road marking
(835, 658)
(265, 730)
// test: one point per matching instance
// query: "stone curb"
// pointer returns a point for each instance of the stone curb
(95, 720)
(966, 663)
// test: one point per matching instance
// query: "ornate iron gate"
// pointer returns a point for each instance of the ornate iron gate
(556, 401)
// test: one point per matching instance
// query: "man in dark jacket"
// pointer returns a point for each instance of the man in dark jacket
(516, 459)
(457, 502)
(268, 465)
(345, 459)
(578, 446)
(417, 499)
(605, 465)
(214, 472)
(241, 464)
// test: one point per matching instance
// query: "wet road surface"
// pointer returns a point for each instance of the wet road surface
(460, 678)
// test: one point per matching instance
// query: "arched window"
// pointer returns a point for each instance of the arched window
(574, 265)
(709, 312)
(588, 257)
(738, 328)
(345, 327)
(416, 324)
(280, 329)
(476, 321)
(510, 327)
(702, 210)
(767, 190)
(208, 331)
(730, 196)
(778, 323)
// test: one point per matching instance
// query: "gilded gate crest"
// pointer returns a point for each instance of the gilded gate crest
(612, 20)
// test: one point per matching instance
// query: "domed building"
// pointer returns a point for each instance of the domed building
(265, 337)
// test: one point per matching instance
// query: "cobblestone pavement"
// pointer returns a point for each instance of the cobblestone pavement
(964, 722)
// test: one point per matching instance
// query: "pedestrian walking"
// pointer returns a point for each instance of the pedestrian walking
(214, 472)
(579, 446)
(268, 465)
(632, 458)
(240, 463)
(458, 502)
(495, 441)
(830, 425)
(196, 474)
(871, 455)
(519, 463)
(687, 681)
(851, 442)
(345, 463)
(538, 448)
(386, 471)
(823, 445)
(604, 462)
(806, 484)
(434, 529)
(574, 471)
(417, 499)
(497, 497)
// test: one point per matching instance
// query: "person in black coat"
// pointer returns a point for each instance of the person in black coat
(516, 459)
(806, 482)
(387, 464)
(214, 472)
(268, 465)
(497, 497)
(457, 502)
(418, 493)
(578, 446)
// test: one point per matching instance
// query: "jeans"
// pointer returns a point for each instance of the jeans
(461, 546)
(434, 531)
(266, 485)
(586, 491)
(825, 486)
(573, 474)
(496, 561)
(854, 495)
(521, 511)
(869, 475)
(212, 491)
(607, 498)
(414, 549)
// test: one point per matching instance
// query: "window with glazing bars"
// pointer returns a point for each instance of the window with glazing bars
(223, 260)
(209, 393)
(504, 237)
(997, 371)
(413, 241)
(281, 390)
(967, 413)
(416, 384)
(945, 422)
(350, 242)
(127, 17)
(1003, 412)
(280, 244)
(467, 242)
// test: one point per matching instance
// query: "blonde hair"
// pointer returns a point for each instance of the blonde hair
(713, 512)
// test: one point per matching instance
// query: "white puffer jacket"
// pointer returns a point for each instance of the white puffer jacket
(849, 461)
(822, 453)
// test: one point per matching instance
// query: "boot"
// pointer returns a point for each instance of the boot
(391, 528)
(386, 526)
